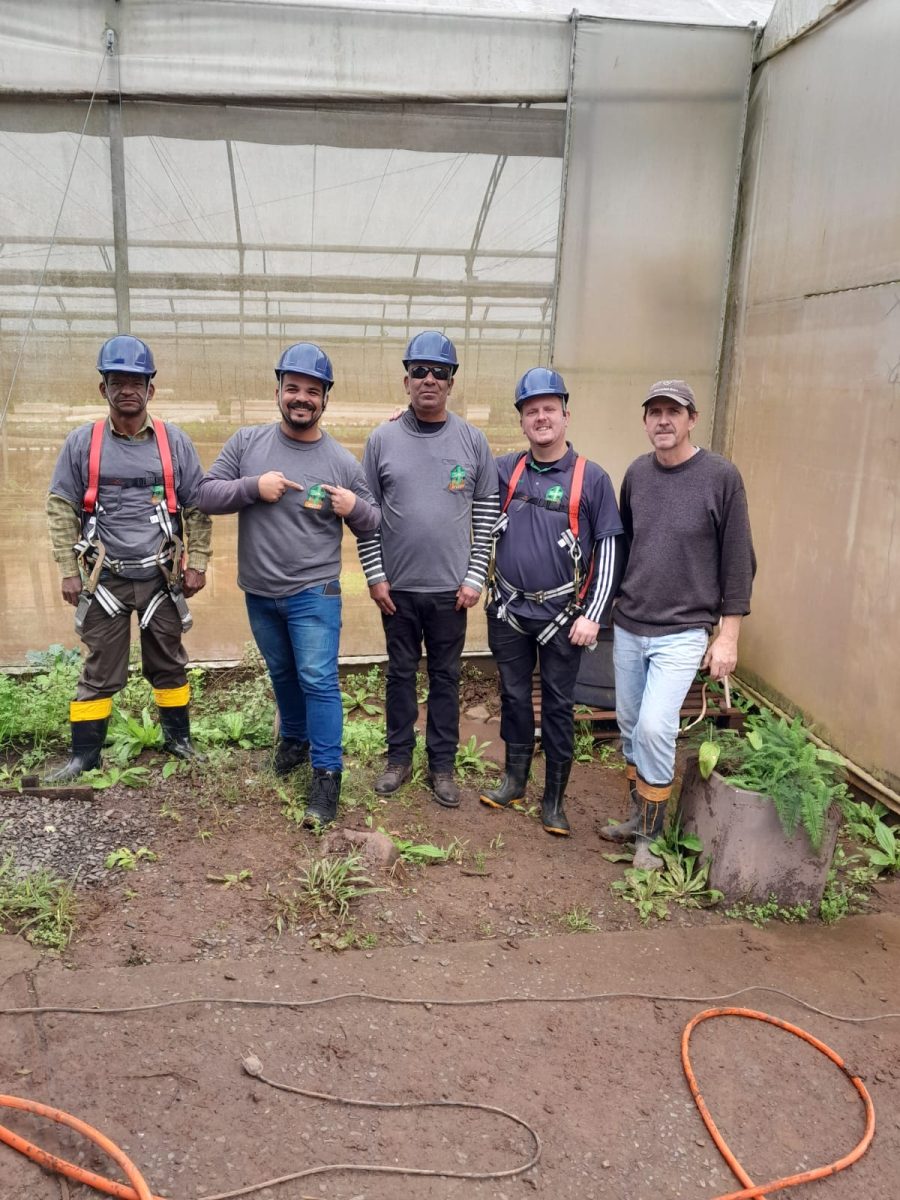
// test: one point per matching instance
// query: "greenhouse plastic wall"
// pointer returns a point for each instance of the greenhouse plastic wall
(810, 408)
(658, 116)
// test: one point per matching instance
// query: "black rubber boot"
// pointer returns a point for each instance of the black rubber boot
(289, 755)
(624, 831)
(324, 793)
(87, 742)
(176, 727)
(512, 786)
(553, 818)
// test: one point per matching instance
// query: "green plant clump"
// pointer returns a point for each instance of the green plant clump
(777, 759)
(683, 879)
(38, 906)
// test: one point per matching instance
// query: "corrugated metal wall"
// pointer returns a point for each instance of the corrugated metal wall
(809, 404)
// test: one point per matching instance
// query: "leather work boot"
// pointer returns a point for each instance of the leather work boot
(176, 727)
(324, 793)
(289, 755)
(392, 777)
(653, 817)
(87, 742)
(512, 786)
(553, 818)
(625, 830)
(445, 788)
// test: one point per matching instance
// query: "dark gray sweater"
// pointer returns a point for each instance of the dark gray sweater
(690, 553)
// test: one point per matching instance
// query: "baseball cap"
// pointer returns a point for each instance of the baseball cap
(672, 389)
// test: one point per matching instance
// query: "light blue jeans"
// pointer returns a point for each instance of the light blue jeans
(653, 675)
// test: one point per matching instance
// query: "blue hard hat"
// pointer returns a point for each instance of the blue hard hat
(540, 381)
(304, 358)
(431, 346)
(127, 354)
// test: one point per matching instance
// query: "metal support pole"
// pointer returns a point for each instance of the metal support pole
(119, 215)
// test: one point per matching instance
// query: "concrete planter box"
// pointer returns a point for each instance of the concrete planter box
(751, 857)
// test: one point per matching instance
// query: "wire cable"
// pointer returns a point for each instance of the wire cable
(442, 1002)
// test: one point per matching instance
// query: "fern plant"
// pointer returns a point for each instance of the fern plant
(777, 759)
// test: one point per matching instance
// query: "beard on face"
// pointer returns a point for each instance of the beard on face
(304, 416)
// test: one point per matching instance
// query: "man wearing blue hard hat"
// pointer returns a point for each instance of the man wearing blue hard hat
(435, 478)
(294, 487)
(554, 573)
(121, 508)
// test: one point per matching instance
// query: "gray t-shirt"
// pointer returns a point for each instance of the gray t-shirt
(131, 489)
(294, 543)
(427, 484)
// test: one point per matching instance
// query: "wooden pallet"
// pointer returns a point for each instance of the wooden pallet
(604, 719)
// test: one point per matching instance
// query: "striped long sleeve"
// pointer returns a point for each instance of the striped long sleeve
(484, 515)
(609, 565)
(369, 550)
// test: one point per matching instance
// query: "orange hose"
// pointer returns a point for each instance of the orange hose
(139, 1189)
(750, 1190)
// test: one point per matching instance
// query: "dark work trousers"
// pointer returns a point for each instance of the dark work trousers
(431, 617)
(108, 639)
(516, 655)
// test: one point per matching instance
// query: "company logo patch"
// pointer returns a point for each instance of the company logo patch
(555, 495)
(457, 478)
(315, 497)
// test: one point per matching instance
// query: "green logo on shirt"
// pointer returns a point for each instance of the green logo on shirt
(555, 495)
(457, 478)
(315, 497)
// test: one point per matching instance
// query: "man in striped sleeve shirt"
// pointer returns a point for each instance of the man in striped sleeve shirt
(435, 479)
(556, 571)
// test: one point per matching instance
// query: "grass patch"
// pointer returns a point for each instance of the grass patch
(38, 906)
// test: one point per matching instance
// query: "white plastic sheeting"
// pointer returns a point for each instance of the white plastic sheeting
(811, 412)
(658, 115)
(790, 19)
(275, 173)
(500, 49)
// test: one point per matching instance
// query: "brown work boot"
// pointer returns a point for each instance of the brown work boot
(445, 788)
(392, 777)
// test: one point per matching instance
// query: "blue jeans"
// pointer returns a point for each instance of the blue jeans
(298, 637)
(653, 675)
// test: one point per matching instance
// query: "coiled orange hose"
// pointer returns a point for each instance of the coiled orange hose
(750, 1189)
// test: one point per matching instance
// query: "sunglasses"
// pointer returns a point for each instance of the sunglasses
(423, 370)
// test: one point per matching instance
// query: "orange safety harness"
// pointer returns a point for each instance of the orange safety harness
(89, 503)
(581, 578)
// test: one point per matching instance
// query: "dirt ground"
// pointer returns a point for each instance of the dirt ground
(599, 1081)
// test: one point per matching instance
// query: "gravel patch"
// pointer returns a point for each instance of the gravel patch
(69, 838)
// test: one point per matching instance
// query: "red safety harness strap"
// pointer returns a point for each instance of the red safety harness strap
(90, 496)
(518, 471)
(574, 497)
(165, 457)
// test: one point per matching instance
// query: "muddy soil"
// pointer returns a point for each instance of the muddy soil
(514, 913)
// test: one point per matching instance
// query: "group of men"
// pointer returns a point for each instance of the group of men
(439, 522)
